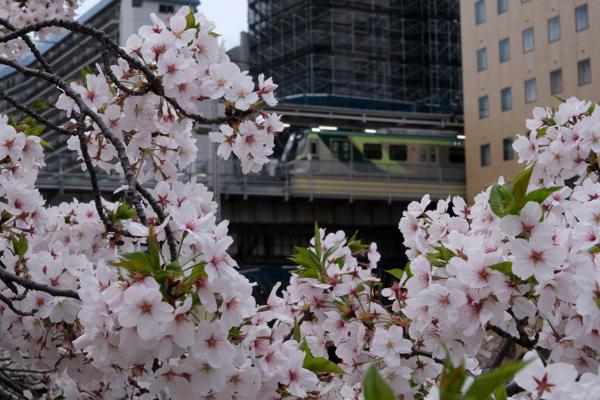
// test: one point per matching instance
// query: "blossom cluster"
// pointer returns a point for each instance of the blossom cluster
(22, 13)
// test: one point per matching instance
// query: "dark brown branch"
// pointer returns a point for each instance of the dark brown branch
(31, 45)
(108, 43)
(161, 216)
(146, 88)
(84, 109)
(92, 172)
(499, 354)
(11, 306)
(38, 117)
(37, 286)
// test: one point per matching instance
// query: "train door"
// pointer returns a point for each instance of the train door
(429, 155)
(340, 149)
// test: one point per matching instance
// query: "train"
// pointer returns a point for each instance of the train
(397, 154)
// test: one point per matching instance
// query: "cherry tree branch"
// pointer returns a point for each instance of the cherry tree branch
(37, 116)
(84, 109)
(108, 43)
(5, 275)
(92, 172)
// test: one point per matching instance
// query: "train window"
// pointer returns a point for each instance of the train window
(456, 155)
(314, 153)
(372, 151)
(398, 152)
(423, 154)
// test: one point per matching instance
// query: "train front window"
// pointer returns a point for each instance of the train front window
(314, 152)
(372, 151)
(398, 152)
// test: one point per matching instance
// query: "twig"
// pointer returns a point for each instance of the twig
(499, 354)
(37, 286)
(38, 117)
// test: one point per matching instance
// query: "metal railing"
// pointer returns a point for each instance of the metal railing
(62, 173)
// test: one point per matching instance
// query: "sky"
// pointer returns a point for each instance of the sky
(229, 15)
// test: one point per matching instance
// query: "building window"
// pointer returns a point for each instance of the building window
(398, 152)
(581, 18)
(479, 11)
(482, 59)
(484, 107)
(530, 91)
(504, 47)
(556, 83)
(486, 157)
(137, 3)
(507, 149)
(528, 40)
(584, 71)
(372, 151)
(166, 9)
(506, 98)
(554, 29)
(502, 6)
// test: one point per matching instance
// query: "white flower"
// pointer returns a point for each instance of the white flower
(144, 309)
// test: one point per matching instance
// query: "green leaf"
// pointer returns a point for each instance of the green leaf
(375, 387)
(321, 365)
(441, 257)
(20, 245)
(137, 262)
(504, 267)
(356, 244)
(297, 336)
(501, 393)
(191, 21)
(486, 384)
(39, 105)
(310, 265)
(409, 273)
(594, 249)
(540, 195)
(396, 272)
(153, 251)
(521, 183)
(500, 198)
(122, 212)
(318, 246)
(85, 71)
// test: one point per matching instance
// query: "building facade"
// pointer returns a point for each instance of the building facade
(379, 54)
(518, 54)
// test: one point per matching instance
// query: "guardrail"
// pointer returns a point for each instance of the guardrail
(304, 178)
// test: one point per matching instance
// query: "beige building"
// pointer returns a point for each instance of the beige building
(518, 54)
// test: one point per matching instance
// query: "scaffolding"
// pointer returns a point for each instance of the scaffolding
(402, 54)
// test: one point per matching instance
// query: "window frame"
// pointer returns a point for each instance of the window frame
(525, 32)
(508, 153)
(506, 107)
(485, 155)
(484, 58)
(500, 9)
(551, 39)
(480, 18)
(587, 18)
(581, 63)
(484, 100)
(527, 83)
(506, 41)
(557, 72)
